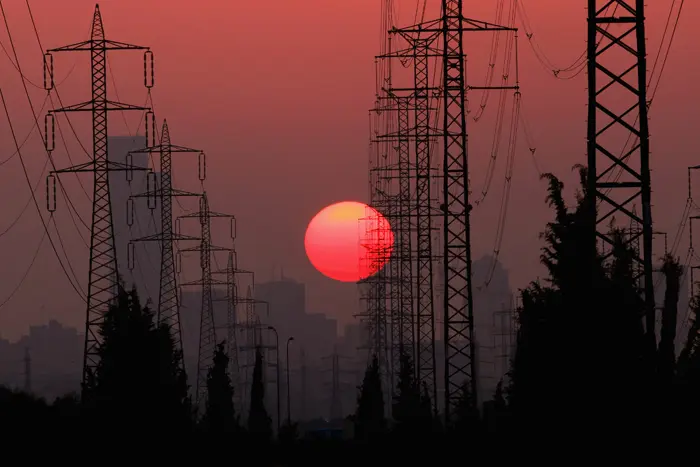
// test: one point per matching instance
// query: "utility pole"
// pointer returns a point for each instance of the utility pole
(168, 306)
(207, 328)
(103, 272)
(619, 178)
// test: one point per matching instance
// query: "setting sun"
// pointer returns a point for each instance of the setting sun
(338, 241)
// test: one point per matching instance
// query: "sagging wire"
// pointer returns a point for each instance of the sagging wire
(505, 199)
(503, 95)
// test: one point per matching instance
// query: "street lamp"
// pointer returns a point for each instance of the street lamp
(289, 405)
(277, 353)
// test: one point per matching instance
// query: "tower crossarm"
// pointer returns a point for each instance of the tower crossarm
(160, 192)
(94, 43)
(161, 147)
(200, 282)
(436, 26)
(164, 238)
(211, 248)
(105, 105)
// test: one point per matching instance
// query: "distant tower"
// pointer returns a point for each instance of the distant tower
(207, 327)
(168, 306)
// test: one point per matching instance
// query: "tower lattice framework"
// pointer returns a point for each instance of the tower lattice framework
(404, 251)
(168, 306)
(233, 326)
(447, 46)
(417, 206)
(425, 312)
(103, 276)
(207, 326)
(619, 174)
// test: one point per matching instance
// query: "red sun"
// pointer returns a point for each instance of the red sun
(348, 241)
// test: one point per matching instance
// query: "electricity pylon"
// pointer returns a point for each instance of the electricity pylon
(442, 38)
(618, 172)
(168, 306)
(232, 327)
(103, 276)
(207, 327)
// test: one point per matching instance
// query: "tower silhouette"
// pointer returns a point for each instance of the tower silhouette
(168, 306)
(207, 326)
(103, 273)
(618, 178)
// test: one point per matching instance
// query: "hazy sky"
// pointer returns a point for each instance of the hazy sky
(277, 93)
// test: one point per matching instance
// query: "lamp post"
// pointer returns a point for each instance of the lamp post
(289, 406)
(277, 353)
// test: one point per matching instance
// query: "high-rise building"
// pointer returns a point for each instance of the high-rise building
(145, 275)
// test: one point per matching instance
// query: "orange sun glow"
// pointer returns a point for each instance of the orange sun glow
(348, 241)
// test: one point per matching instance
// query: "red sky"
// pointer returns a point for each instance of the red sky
(277, 93)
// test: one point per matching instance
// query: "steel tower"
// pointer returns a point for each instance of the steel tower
(207, 327)
(232, 327)
(168, 306)
(425, 313)
(460, 358)
(620, 176)
(404, 252)
(103, 277)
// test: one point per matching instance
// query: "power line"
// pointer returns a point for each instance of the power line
(36, 204)
(36, 122)
(26, 272)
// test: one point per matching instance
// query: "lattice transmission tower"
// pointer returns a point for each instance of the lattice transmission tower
(381, 288)
(443, 38)
(415, 192)
(103, 275)
(168, 306)
(374, 240)
(232, 326)
(397, 176)
(619, 174)
(207, 325)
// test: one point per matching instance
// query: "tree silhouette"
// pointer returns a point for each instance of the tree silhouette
(672, 271)
(370, 423)
(259, 422)
(220, 415)
(410, 409)
(687, 403)
(139, 379)
(466, 416)
(583, 331)
(22, 412)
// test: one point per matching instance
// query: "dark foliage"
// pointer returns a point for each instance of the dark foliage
(582, 353)
(370, 422)
(220, 415)
(259, 422)
(139, 380)
(411, 409)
